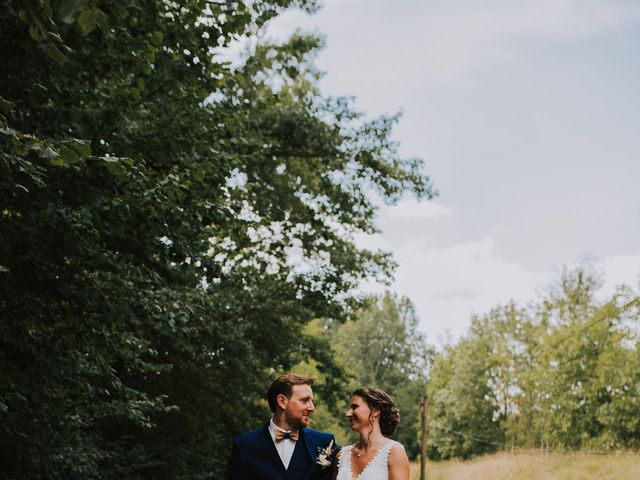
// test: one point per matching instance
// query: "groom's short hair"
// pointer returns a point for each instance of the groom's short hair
(283, 385)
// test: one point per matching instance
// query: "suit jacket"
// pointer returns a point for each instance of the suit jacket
(254, 457)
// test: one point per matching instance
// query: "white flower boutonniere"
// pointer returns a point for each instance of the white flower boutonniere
(326, 455)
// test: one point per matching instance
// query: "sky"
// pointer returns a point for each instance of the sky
(527, 116)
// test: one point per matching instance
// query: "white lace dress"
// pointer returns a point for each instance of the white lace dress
(376, 469)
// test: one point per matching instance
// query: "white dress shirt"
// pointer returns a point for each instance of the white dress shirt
(284, 447)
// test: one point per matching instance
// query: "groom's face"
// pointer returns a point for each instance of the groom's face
(299, 406)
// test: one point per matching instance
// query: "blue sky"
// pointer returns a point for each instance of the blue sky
(527, 114)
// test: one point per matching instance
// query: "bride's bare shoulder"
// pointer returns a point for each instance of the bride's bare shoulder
(398, 461)
(397, 447)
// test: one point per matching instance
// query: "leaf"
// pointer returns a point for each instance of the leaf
(81, 147)
(103, 21)
(8, 131)
(17, 145)
(48, 12)
(150, 55)
(5, 105)
(68, 8)
(68, 155)
(114, 166)
(49, 154)
(54, 36)
(55, 53)
(198, 175)
(35, 33)
(88, 21)
(158, 38)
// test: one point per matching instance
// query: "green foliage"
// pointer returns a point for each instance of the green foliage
(463, 406)
(382, 347)
(379, 346)
(560, 375)
(153, 201)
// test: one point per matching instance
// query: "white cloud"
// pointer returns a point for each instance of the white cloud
(463, 37)
(461, 293)
(448, 285)
(442, 42)
(621, 269)
(414, 209)
(372, 242)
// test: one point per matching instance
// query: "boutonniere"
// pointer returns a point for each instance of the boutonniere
(326, 455)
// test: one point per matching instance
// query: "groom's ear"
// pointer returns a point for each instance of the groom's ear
(281, 401)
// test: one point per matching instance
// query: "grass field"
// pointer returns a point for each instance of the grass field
(535, 466)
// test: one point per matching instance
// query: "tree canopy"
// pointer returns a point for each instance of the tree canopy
(559, 375)
(171, 223)
(382, 347)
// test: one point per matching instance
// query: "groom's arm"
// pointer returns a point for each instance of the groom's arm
(237, 468)
(330, 473)
(334, 467)
(336, 445)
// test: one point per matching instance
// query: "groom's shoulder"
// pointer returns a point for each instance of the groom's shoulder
(249, 437)
(318, 434)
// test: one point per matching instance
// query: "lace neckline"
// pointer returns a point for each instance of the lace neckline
(384, 449)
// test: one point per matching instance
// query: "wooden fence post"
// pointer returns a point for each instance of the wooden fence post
(423, 438)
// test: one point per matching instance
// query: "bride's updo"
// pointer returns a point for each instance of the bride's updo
(377, 399)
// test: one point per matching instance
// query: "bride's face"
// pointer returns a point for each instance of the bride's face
(359, 414)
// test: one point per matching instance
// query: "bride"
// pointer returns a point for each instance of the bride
(374, 416)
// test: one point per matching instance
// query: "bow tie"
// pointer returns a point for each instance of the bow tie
(280, 435)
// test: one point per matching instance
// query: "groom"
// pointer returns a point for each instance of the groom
(284, 449)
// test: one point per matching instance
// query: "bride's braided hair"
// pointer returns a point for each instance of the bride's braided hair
(378, 399)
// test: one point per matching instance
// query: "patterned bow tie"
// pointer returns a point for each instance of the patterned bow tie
(280, 435)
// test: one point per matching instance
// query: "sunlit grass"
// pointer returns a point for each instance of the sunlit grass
(535, 466)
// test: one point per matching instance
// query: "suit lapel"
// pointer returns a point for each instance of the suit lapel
(308, 443)
(270, 448)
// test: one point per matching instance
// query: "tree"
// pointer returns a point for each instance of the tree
(382, 347)
(560, 374)
(568, 357)
(154, 201)
(464, 410)
(513, 337)
(617, 394)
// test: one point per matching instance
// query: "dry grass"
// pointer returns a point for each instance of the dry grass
(506, 466)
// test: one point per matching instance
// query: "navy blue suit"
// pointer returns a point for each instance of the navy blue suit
(254, 457)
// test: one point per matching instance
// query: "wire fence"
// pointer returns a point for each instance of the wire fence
(507, 447)
(599, 318)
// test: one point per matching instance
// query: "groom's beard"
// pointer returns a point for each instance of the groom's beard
(298, 423)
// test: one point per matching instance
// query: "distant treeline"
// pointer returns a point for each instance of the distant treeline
(562, 374)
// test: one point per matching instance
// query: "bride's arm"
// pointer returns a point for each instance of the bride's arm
(399, 468)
